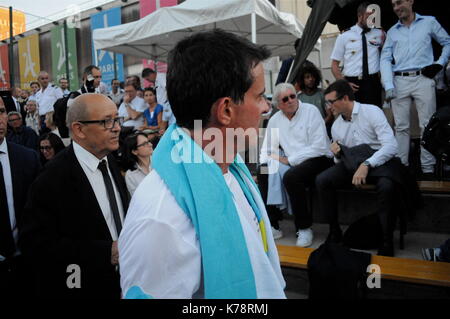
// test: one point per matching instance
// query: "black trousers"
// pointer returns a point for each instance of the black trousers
(369, 90)
(337, 177)
(16, 281)
(296, 181)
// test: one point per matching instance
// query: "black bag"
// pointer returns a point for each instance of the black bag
(366, 233)
(436, 137)
(336, 272)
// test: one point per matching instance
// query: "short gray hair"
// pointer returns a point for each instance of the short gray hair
(279, 89)
(78, 111)
(14, 113)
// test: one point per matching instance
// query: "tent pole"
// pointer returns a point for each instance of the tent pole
(290, 70)
(95, 55)
(253, 27)
(320, 63)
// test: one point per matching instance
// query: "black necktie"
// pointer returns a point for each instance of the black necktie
(111, 196)
(365, 61)
(7, 246)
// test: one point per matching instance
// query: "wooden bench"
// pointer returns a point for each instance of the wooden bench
(399, 269)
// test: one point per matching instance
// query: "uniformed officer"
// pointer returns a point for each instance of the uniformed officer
(46, 96)
(359, 49)
(408, 69)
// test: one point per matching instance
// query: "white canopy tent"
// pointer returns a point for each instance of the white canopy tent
(153, 36)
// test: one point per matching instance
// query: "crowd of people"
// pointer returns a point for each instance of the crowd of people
(99, 180)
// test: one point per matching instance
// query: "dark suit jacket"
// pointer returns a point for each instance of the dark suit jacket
(25, 167)
(64, 225)
(26, 137)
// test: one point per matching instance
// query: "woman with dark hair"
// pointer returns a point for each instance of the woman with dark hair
(152, 115)
(137, 156)
(49, 145)
(308, 81)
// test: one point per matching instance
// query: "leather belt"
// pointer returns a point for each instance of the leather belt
(360, 77)
(412, 73)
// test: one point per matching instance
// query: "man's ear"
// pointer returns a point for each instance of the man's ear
(222, 111)
(77, 130)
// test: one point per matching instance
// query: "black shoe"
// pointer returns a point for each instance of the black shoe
(386, 250)
(335, 236)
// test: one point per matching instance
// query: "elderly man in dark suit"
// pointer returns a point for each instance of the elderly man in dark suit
(19, 166)
(76, 208)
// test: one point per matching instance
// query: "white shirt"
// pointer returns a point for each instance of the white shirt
(89, 164)
(138, 104)
(160, 86)
(64, 92)
(367, 126)
(301, 138)
(159, 250)
(116, 97)
(4, 161)
(168, 114)
(348, 48)
(16, 104)
(47, 98)
(134, 178)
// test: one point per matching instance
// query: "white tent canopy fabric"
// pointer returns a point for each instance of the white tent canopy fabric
(153, 36)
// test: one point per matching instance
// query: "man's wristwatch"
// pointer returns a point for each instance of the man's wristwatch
(367, 163)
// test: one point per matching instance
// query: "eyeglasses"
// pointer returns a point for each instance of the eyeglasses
(286, 98)
(330, 102)
(143, 144)
(13, 120)
(2, 110)
(45, 148)
(107, 124)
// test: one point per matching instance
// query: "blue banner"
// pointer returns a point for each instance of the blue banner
(105, 59)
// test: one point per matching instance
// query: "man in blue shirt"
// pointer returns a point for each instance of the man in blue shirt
(408, 69)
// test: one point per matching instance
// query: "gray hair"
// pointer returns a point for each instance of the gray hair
(279, 89)
(34, 101)
(78, 111)
(14, 113)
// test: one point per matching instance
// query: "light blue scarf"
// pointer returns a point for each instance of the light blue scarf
(198, 185)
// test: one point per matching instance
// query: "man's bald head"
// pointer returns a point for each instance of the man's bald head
(80, 108)
(43, 79)
(86, 119)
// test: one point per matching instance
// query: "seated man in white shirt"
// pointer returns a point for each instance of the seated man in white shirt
(197, 227)
(358, 124)
(300, 131)
(132, 107)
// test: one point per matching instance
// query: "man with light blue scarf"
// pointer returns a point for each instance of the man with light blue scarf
(197, 226)
(408, 69)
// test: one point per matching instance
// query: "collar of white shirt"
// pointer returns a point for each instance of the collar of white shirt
(87, 158)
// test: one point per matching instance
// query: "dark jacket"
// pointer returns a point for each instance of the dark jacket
(64, 225)
(25, 167)
(25, 136)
